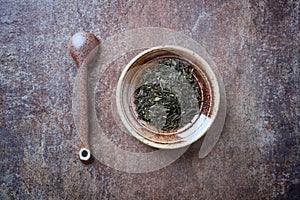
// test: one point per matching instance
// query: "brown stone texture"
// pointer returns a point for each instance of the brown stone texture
(255, 45)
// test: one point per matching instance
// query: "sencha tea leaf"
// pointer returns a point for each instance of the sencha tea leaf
(158, 106)
(167, 95)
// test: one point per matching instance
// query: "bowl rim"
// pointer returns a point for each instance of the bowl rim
(215, 99)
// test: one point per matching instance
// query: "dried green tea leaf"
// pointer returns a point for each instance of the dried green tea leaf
(167, 95)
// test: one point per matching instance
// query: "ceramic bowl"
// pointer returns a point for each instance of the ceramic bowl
(189, 132)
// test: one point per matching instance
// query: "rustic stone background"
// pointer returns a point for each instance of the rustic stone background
(254, 43)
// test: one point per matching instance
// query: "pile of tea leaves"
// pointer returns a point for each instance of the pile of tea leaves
(167, 95)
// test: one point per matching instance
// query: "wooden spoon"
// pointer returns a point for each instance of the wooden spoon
(83, 47)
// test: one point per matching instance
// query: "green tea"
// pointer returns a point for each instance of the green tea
(167, 95)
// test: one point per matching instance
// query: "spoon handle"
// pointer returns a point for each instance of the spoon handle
(83, 47)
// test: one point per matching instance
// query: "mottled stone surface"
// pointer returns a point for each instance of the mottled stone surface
(255, 45)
